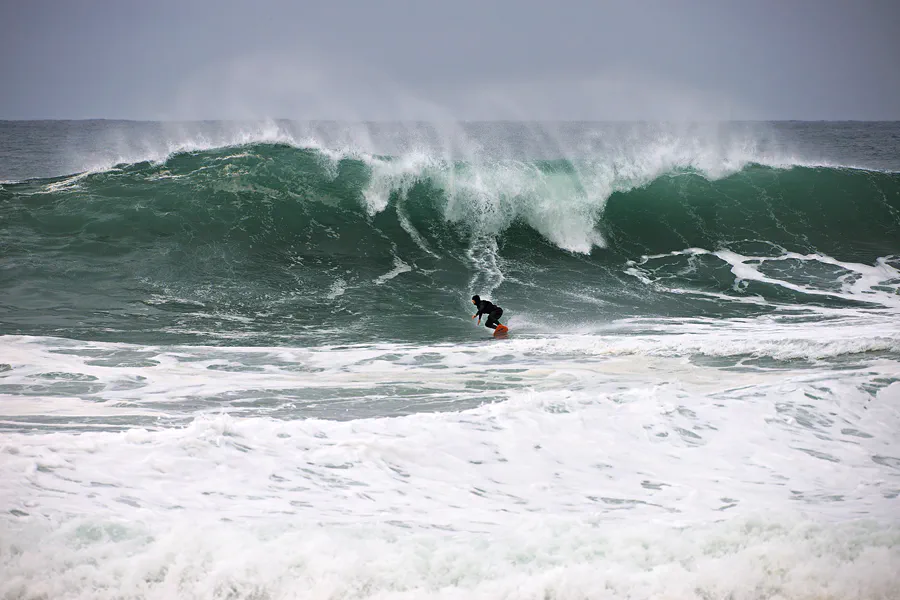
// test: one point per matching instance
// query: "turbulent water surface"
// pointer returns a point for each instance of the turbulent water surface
(237, 360)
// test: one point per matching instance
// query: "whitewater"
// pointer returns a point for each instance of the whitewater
(237, 360)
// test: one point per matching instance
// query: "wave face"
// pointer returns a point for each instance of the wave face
(270, 240)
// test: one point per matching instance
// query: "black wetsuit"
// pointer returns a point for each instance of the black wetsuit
(492, 311)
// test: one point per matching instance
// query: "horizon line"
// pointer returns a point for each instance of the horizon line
(393, 121)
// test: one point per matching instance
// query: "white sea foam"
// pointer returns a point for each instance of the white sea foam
(569, 465)
(337, 289)
(484, 257)
(69, 182)
(563, 205)
(877, 284)
(204, 558)
(400, 267)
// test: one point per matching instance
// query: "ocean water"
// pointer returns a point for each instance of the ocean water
(237, 360)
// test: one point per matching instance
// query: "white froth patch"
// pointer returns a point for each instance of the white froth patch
(394, 176)
(602, 462)
(71, 182)
(400, 267)
(562, 205)
(860, 287)
(625, 438)
(487, 275)
(205, 558)
(877, 284)
(337, 289)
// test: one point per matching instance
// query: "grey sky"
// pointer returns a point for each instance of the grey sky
(466, 59)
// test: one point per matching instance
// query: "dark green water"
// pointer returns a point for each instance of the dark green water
(265, 242)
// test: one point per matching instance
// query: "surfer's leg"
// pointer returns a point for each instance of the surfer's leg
(494, 318)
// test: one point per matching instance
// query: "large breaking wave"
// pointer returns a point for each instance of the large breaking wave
(266, 230)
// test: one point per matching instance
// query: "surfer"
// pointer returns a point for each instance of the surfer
(493, 312)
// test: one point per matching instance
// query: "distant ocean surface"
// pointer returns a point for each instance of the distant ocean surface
(237, 360)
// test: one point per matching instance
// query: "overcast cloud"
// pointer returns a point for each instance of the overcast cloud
(466, 59)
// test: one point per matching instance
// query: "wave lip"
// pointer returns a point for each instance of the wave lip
(682, 190)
